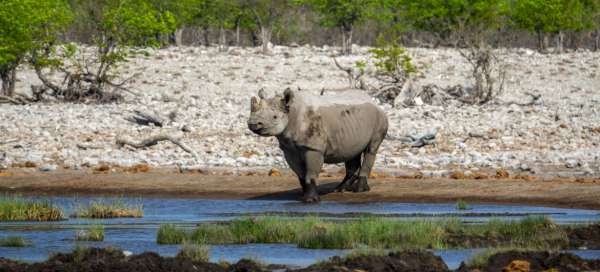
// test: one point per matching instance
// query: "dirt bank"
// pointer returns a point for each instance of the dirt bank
(94, 259)
(534, 261)
(556, 193)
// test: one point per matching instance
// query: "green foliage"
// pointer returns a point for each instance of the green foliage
(14, 241)
(446, 18)
(134, 23)
(341, 13)
(392, 61)
(17, 208)
(26, 25)
(551, 16)
(169, 234)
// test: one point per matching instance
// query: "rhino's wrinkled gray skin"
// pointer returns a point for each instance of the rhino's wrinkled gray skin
(313, 130)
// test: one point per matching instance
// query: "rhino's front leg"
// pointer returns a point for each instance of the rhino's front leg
(314, 162)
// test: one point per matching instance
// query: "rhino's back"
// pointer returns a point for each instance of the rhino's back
(350, 129)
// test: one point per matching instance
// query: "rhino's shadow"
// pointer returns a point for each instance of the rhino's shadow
(295, 194)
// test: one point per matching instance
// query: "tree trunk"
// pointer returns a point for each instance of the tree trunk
(9, 78)
(346, 40)
(178, 37)
(237, 34)
(205, 35)
(265, 36)
(596, 39)
(541, 41)
(222, 39)
(560, 37)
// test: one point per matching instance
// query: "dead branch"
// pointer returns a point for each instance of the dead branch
(355, 79)
(9, 141)
(534, 100)
(417, 141)
(175, 138)
(146, 118)
(88, 146)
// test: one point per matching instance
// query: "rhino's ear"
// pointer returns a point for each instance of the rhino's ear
(288, 97)
(254, 105)
(261, 93)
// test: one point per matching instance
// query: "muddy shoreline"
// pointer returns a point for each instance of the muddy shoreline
(564, 193)
(94, 259)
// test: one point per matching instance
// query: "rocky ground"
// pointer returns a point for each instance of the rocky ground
(208, 92)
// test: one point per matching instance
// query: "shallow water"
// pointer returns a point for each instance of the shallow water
(139, 234)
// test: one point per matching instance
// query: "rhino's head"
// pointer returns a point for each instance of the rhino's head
(269, 116)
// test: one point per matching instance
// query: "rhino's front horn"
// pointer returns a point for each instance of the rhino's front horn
(254, 105)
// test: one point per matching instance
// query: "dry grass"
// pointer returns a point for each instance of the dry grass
(114, 209)
(17, 208)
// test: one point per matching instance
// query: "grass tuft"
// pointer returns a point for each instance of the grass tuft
(114, 209)
(18, 208)
(14, 241)
(93, 233)
(194, 251)
(462, 205)
(380, 233)
(169, 234)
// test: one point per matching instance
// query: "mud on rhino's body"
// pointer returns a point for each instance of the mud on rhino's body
(346, 127)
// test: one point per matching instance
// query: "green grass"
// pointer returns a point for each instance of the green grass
(169, 234)
(17, 208)
(93, 233)
(114, 209)
(14, 241)
(194, 251)
(462, 205)
(534, 232)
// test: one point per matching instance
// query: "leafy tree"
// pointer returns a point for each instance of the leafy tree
(220, 14)
(266, 13)
(123, 26)
(342, 14)
(545, 17)
(27, 25)
(183, 12)
(467, 21)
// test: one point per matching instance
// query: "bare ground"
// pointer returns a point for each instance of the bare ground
(166, 183)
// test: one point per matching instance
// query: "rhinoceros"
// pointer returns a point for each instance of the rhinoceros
(346, 127)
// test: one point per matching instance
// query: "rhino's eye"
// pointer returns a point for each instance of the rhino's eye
(274, 116)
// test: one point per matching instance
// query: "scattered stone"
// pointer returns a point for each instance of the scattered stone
(48, 168)
(274, 172)
(502, 173)
(517, 266)
(572, 163)
(457, 175)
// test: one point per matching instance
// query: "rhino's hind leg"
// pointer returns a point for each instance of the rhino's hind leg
(352, 167)
(361, 185)
(314, 162)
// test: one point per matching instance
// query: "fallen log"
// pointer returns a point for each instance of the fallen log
(146, 118)
(155, 139)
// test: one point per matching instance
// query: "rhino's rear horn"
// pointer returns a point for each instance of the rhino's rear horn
(254, 105)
